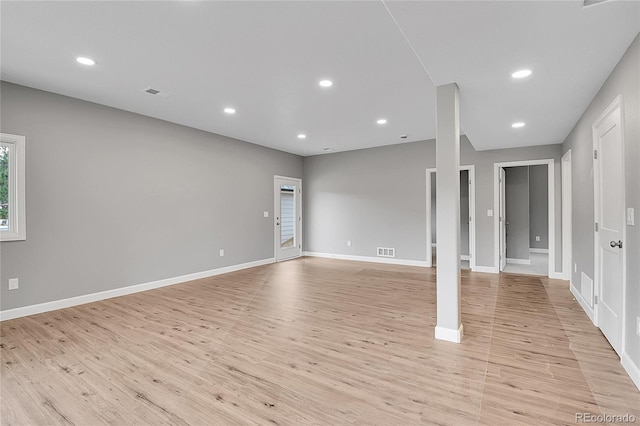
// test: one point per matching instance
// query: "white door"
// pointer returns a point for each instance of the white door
(287, 217)
(609, 199)
(502, 220)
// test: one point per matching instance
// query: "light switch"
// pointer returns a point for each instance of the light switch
(631, 220)
(489, 213)
(266, 213)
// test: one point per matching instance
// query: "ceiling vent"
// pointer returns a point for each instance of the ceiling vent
(155, 92)
(588, 3)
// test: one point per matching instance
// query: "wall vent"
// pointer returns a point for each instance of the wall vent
(386, 252)
(586, 288)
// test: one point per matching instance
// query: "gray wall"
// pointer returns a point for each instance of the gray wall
(539, 206)
(116, 199)
(625, 81)
(464, 212)
(517, 212)
(376, 197)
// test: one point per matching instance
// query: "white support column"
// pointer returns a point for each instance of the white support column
(449, 324)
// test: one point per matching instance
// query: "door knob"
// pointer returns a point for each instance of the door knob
(616, 244)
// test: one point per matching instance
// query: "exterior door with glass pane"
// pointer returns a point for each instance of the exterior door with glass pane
(287, 217)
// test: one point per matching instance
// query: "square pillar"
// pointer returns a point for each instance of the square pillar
(449, 323)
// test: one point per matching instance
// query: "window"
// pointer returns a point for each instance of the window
(12, 200)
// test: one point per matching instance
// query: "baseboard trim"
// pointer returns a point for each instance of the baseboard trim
(370, 259)
(449, 334)
(123, 291)
(518, 261)
(631, 368)
(583, 304)
(538, 250)
(557, 276)
(485, 269)
(465, 257)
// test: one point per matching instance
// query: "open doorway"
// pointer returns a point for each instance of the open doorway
(525, 220)
(467, 225)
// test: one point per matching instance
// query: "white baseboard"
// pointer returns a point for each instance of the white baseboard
(557, 276)
(485, 269)
(465, 257)
(108, 294)
(583, 303)
(538, 250)
(632, 369)
(449, 334)
(391, 261)
(519, 261)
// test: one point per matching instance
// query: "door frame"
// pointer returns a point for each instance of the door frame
(550, 163)
(276, 200)
(567, 219)
(617, 103)
(472, 220)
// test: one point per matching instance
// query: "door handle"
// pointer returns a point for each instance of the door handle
(616, 244)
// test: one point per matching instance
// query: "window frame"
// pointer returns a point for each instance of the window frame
(17, 202)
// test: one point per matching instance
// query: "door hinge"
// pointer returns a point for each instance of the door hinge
(596, 226)
(500, 180)
(500, 220)
(595, 154)
(595, 299)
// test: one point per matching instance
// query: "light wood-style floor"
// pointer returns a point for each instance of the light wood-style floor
(314, 341)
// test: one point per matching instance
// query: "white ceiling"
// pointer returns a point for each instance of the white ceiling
(265, 59)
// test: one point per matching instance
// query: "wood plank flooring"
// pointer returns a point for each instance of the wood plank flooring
(314, 341)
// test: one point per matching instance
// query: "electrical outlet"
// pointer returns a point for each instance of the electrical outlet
(221, 253)
(537, 237)
(13, 284)
(490, 213)
(266, 213)
(349, 243)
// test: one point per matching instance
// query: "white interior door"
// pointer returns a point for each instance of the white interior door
(609, 188)
(287, 217)
(503, 220)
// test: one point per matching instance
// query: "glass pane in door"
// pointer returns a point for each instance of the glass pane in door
(287, 216)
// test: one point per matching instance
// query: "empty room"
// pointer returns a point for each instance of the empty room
(319, 212)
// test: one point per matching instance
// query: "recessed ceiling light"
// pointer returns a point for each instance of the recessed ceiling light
(326, 83)
(85, 61)
(302, 136)
(517, 125)
(230, 110)
(382, 121)
(521, 74)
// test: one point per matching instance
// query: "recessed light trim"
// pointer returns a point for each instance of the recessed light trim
(382, 121)
(325, 83)
(521, 73)
(230, 110)
(85, 61)
(518, 124)
(302, 136)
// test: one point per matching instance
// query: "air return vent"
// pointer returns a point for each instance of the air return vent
(386, 252)
(586, 288)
